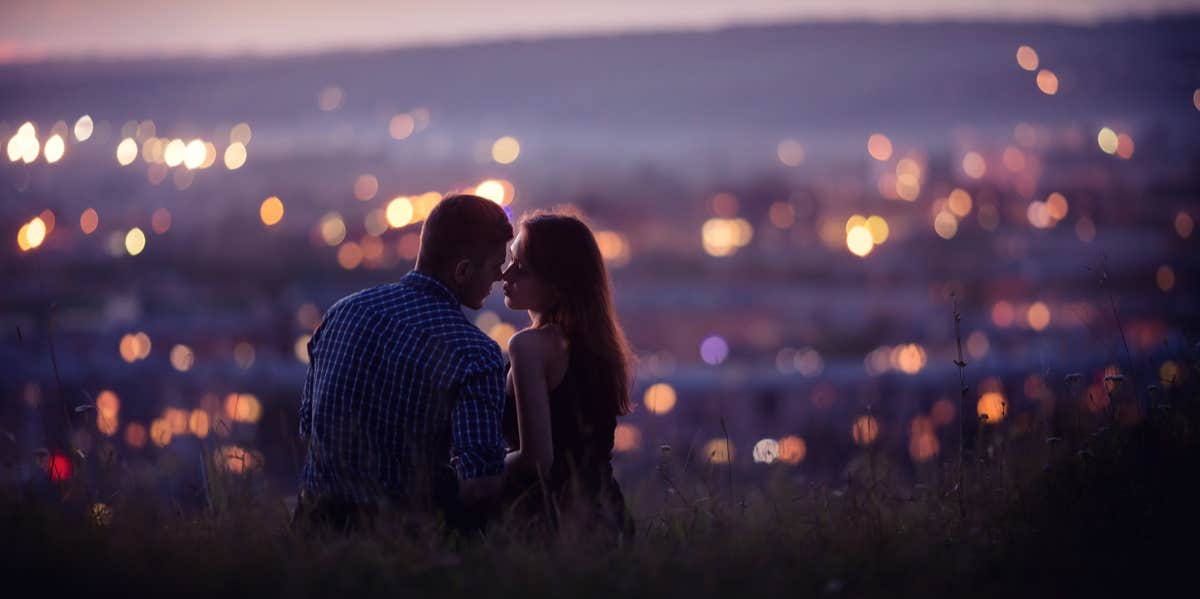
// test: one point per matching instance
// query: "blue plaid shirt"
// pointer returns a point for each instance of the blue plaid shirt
(400, 388)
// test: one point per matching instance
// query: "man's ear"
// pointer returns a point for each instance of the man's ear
(462, 271)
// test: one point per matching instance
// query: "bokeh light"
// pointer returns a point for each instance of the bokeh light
(175, 153)
(399, 212)
(365, 187)
(300, 348)
(1047, 82)
(879, 147)
(135, 241)
(1184, 225)
(32, 234)
(182, 358)
(945, 225)
(765, 451)
(1107, 139)
(127, 151)
(1164, 277)
(790, 152)
(349, 255)
(860, 241)
(923, 446)
(240, 134)
(973, 165)
(792, 449)
(160, 432)
(959, 202)
(626, 438)
(496, 190)
(271, 211)
(506, 150)
(865, 430)
(135, 435)
(243, 407)
(83, 128)
(235, 156)
(1038, 316)
(160, 221)
(54, 149)
(332, 228)
(330, 98)
(714, 350)
(198, 423)
(401, 126)
(992, 406)
(1027, 58)
(614, 248)
(659, 398)
(943, 412)
(719, 451)
(878, 228)
(725, 236)
(782, 215)
(88, 221)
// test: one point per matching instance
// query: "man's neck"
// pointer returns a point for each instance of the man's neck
(439, 278)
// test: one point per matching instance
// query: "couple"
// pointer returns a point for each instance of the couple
(409, 407)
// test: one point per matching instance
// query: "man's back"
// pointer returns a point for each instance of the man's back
(399, 380)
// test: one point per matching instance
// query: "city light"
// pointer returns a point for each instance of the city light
(506, 150)
(271, 211)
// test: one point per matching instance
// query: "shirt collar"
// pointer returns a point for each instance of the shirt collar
(429, 284)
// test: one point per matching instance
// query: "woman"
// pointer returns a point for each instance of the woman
(568, 378)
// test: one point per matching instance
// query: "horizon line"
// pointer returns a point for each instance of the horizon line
(12, 56)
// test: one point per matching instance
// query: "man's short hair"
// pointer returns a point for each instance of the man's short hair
(462, 226)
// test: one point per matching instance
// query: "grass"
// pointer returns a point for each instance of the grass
(1093, 503)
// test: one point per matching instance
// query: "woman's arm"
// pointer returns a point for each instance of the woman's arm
(527, 352)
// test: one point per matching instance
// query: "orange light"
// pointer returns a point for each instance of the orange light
(271, 211)
(659, 398)
(865, 430)
(1047, 81)
(88, 221)
(879, 147)
(992, 407)
(792, 449)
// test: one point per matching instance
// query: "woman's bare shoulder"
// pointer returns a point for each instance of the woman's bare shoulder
(534, 343)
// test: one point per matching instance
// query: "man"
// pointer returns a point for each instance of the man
(404, 395)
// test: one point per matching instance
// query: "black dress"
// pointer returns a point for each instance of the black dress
(581, 486)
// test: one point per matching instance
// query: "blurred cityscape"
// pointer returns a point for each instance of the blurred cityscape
(791, 215)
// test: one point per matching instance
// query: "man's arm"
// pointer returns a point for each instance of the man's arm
(478, 446)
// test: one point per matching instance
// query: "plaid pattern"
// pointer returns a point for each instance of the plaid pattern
(400, 387)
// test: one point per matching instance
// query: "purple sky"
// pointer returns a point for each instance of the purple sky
(38, 29)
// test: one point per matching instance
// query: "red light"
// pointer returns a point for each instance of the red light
(59, 467)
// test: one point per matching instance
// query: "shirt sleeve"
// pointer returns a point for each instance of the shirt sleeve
(478, 446)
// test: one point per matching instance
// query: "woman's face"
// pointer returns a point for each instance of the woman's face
(524, 290)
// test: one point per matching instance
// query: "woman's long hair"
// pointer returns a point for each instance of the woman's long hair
(561, 250)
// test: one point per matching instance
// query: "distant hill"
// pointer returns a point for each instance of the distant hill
(679, 95)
